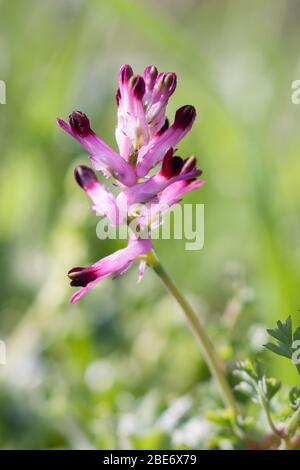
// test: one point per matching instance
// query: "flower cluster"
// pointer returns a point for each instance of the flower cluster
(145, 140)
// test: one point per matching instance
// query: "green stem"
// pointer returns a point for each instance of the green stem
(271, 424)
(292, 424)
(290, 428)
(199, 332)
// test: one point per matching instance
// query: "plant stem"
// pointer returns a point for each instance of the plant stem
(271, 424)
(205, 344)
(292, 424)
(290, 428)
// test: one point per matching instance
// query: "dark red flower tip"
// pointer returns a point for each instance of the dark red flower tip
(171, 166)
(82, 276)
(137, 84)
(185, 116)
(164, 127)
(126, 73)
(80, 124)
(118, 96)
(85, 177)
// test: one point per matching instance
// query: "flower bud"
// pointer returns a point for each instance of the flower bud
(85, 177)
(150, 75)
(184, 117)
(137, 85)
(171, 166)
(125, 73)
(80, 124)
(189, 164)
(169, 83)
(82, 276)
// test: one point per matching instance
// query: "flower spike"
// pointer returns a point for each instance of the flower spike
(145, 140)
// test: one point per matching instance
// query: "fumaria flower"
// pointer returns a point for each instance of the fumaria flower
(115, 264)
(145, 140)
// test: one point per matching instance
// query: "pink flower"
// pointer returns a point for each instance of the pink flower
(142, 104)
(142, 132)
(132, 131)
(145, 140)
(174, 169)
(159, 88)
(168, 198)
(115, 264)
(153, 153)
(104, 202)
(101, 155)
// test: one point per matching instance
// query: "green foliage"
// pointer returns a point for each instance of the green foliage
(253, 382)
(285, 337)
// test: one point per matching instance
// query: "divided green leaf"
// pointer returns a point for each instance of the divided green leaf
(285, 339)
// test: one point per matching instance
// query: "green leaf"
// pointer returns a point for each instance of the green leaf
(220, 417)
(272, 386)
(297, 334)
(277, 334)
(285, 338)
(244, 388)
(278, 349)
(253, 382)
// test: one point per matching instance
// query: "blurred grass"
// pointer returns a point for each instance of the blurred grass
(75, 375)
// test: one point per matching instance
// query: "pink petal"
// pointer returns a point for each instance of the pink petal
(101, 155)
(151, 154)
(132, 129)
(115, 263)
(144, 192)
(104, 201)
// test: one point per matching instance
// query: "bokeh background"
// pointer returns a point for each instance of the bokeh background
(120, 369)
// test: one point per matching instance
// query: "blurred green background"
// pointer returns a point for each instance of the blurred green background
(120, 368)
